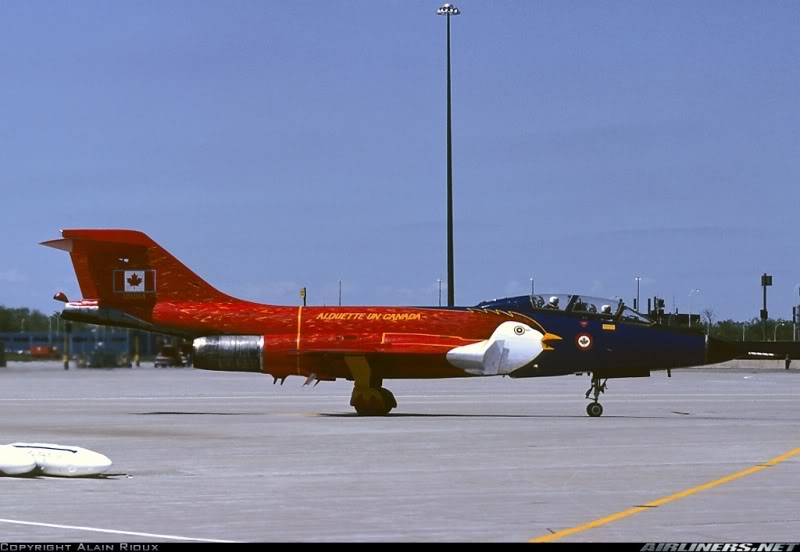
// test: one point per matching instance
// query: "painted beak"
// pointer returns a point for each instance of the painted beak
(547, 340)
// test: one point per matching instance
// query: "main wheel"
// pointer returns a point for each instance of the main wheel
(372, 411)
(372, 401)
(388, 398)
(594, 409)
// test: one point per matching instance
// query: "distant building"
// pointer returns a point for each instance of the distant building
(113, 339)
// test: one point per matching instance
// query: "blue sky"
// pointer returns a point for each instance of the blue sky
(273, 145)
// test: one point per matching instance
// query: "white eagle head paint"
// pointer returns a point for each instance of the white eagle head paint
(511, 346)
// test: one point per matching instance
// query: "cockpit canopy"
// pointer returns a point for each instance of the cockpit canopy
(594, 307)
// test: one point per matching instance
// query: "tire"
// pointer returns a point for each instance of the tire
(594, 409)
(372, 411)
(388, 399)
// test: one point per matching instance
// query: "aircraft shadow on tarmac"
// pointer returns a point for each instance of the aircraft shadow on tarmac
(176, 413)
(671, 415)
(395, 415)
(413, 415)
(38, 475)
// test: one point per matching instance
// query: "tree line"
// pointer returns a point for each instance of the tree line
(25, 320)
(751, 330)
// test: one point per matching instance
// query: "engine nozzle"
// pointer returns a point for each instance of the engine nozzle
(229, 353)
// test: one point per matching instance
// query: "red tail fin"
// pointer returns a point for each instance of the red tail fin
(127, 267)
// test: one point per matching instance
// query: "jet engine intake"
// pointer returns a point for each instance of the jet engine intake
(229, 353)
(511, 346)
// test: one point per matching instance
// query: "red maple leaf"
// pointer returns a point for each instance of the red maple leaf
(134, 280)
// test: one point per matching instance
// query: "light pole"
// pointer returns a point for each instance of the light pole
(795, 319)
(532, 287)
(636, 308)
(766, 281)
(449, 10)
(440, 290)
(340, 293)
(775, 332)
(690, 305)
(795, 314)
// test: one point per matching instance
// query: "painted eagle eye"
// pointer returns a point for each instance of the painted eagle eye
(519, 330)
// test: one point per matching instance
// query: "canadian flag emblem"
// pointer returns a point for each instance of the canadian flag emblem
(134, 281)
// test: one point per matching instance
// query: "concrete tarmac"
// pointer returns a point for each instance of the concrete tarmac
(215, 456)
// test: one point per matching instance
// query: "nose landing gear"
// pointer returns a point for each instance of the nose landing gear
(594, 408)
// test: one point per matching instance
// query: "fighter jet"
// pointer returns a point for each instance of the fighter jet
(128, 280)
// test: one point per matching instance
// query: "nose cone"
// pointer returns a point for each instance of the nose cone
(14, 461)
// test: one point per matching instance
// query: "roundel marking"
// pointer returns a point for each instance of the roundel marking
(583, 341)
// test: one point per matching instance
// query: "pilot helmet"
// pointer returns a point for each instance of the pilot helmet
(606, 309)
(554, 300)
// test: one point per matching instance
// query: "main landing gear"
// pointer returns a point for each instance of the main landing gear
(368, 398)
(372, 401)
(594, 408)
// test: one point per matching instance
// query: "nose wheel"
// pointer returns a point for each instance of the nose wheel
(594, 408)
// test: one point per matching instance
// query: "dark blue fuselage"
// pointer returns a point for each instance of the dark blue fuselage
(607, 345)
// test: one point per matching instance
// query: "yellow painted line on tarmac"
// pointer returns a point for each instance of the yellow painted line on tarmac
(666, 500)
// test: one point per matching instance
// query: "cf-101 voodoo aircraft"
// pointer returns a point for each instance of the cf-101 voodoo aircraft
(128, 280)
